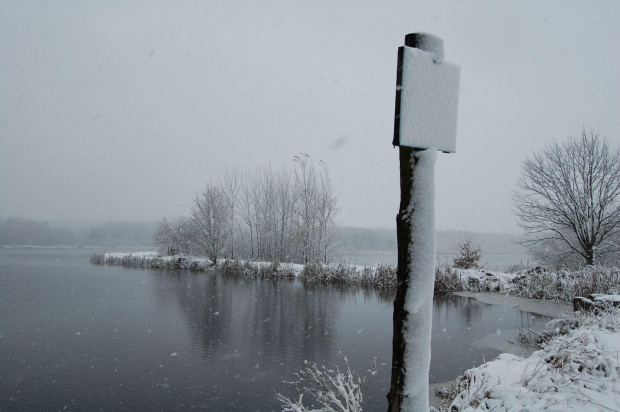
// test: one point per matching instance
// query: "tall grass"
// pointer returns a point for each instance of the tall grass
(542, 283)
(272, 270)
(382, 276)
(149, 262)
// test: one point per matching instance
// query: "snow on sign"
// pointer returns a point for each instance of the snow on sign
(427, 92)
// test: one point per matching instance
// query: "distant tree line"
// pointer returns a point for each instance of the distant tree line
(273, 214)
(357, 238)
(449, 242)
(347, 239)
(115, 234)
(17, 231)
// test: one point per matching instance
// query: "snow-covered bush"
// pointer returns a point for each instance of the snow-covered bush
(542, 283)
(577, 369)
(147, 261)
(332, 389)
(447, 280)
(538, 283)
(271, 270)
(469, 255)
(98, 258)
(385, 276)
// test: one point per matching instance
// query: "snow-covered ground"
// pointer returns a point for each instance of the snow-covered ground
(576, 370)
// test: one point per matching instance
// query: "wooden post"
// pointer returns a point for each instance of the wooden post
(414, 293)
(403, 235)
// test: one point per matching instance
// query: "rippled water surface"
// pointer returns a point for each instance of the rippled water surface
(79, 336)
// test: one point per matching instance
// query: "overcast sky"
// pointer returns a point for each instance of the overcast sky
(122, 110)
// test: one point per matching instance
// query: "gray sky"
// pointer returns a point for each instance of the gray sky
(122, 110)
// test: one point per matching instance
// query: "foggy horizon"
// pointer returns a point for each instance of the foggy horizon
(122, 112)
(90, 224)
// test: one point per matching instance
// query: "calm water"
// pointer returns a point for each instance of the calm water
(77, 336)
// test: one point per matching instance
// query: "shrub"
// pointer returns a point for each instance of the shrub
(447, 280)
(469, 255)
(382, 277)
(333, 389)
(98, 258)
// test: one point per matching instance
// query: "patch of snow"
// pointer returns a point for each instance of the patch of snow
(432, 45)
(607, 298)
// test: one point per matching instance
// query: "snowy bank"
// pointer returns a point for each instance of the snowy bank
(537, 283)
(150, 260)
(534, 283)
(375, 276)
(576, 369)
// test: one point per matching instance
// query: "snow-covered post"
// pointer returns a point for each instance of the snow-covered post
(425, 121)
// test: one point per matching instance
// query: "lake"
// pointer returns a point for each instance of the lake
(78, 336)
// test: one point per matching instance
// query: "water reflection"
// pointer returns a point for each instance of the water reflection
(280, 318)
(459, 324)
(90, 337)
(255, 333)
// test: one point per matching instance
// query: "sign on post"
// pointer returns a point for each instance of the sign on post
(427, 95)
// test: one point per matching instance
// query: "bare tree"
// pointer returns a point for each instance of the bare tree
(305, 208)
(245, 207)
(556, 253)
(231, 185)
(162, 237)
(326, 204)
(569, 197)
(285, 204)
(315, 211)
(250, 209)
(173, 237)
(262, 213)
(181, 235)
(209, 221)
(268, 213)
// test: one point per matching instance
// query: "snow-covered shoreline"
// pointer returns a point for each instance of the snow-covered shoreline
(537, 283)
(576, 369)
(376, 276)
